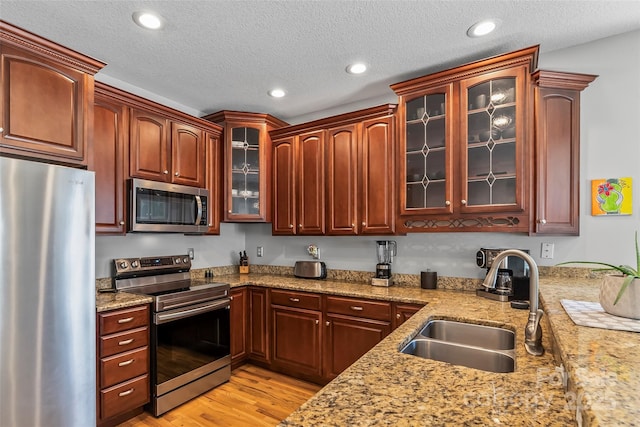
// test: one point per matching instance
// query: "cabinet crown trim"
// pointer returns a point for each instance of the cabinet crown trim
(335, 121)
(18, 37)
(563, 80)
(527, 56)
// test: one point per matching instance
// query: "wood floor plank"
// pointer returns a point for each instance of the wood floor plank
(253, 397)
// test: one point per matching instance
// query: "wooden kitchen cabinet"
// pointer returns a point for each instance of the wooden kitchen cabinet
(123, 364)
(166, 150)
(402, 312)
(239, 318)
(46, 99)
(353, 327)
(298, 184)
(557, 136)
(296, 337)
(336, 175)
(361, 176)
(466, 146)
(214, 171)
(258, 328)
(109, 161)
(247, 164)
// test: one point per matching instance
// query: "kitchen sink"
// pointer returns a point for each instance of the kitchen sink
(464, 355)
(475, 346)
(487, 337)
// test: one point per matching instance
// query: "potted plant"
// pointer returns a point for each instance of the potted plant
(619, 293)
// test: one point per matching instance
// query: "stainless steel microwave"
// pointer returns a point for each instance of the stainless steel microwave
(167, 208)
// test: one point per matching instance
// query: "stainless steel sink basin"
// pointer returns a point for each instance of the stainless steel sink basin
(464, 355)
(475, 346)
(482, 336)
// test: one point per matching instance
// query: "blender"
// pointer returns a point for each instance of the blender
(386, 250)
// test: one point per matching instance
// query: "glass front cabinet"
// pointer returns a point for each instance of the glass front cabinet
(464, 147)
(247, 164)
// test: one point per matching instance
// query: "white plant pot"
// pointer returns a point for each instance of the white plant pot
(629, 304)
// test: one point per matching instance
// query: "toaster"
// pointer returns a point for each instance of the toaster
(310, 270)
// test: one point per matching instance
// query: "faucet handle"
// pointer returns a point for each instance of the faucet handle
(533, 334)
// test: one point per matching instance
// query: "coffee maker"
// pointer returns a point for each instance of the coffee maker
(512, 280)
(386, 250)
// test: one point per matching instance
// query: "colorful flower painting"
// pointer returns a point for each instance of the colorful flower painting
(611, 196)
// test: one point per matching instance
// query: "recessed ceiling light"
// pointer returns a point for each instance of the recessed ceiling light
(482, 28)
(277, 93)
(357, 68)
(148, 20)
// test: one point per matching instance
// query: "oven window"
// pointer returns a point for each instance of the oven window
(164, 207)
(187, 344)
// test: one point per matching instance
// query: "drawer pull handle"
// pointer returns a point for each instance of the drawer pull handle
(125, 320)
(126, 393)
(292, 299)
(125, 363)
(125, 342)
(356, 308)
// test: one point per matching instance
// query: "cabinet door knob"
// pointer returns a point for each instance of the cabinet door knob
(364, 224)
(447, 203)
(121, 222)
(463, 201)
(317, 322)
(353, 226)
(177, 174)
(229, 210)
(165, 172)
(327, 323)
(299, 225)
(1, 129)
(542, 221)
(397, 315)
(290, 225)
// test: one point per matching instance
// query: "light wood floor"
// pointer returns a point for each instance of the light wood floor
(253, 397)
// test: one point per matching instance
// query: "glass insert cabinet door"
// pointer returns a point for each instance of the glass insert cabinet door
(426, 153)
(245, 171)
(492, 142)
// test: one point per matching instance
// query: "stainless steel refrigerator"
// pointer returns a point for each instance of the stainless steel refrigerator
(47, 295)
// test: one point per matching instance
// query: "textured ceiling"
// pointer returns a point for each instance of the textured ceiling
(215, 54)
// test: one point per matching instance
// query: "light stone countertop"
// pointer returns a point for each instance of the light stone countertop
(386, 387)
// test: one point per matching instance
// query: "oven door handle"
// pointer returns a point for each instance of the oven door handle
(161, 318)
(199, 213)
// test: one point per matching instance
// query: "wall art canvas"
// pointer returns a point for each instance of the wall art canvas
(611, 196)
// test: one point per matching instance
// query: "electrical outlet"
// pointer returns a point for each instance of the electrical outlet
(260, 251)
(547, 251)
(191, 253)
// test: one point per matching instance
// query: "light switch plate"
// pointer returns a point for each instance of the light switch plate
(260, 251)
(191, 253)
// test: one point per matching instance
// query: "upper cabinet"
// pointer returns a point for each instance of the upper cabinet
(557, 135)
(134, 137)
(336, 176)
(465, 146)
(247, 164)
(166, 150)
(46, 99)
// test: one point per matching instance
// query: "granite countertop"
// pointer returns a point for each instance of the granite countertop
(386, 387)
(106, 301)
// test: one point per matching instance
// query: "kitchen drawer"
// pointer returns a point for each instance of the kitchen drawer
(296, 299)
(123, 366)
(124, 397)
(378, 310)
(121, 320)
(123, 341)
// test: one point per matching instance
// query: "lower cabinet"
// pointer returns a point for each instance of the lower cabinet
(239, 326)
(347, 339)
(402, 312)
(123, 364)
(258, 330)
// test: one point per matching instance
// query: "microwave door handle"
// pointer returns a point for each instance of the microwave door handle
(199, 213)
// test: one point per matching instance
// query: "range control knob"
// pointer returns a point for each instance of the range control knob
(178, 260)
(134, 264)
(185, 260)
(123, 264)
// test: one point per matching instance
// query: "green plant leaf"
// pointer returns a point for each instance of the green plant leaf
(627, 281)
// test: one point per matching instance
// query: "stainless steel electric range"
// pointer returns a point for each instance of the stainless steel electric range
(190, 329)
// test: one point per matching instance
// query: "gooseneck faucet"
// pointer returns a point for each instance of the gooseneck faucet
(533, 331)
